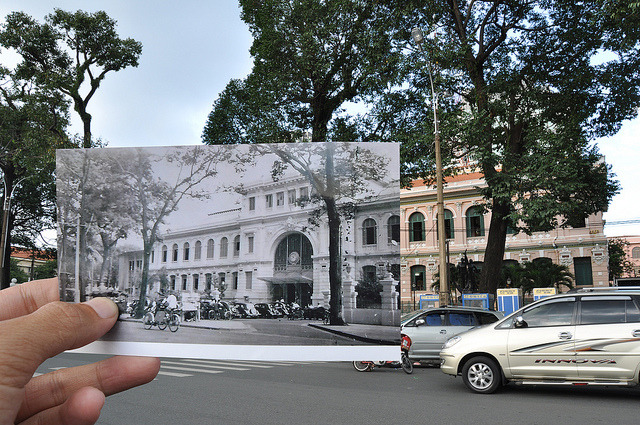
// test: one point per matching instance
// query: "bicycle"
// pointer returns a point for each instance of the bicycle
(162, 319)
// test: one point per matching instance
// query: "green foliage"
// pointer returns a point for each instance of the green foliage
(46, 270)
(17, 273)
(311, 57)
(618, 262)
(70, 52)
(541, 273)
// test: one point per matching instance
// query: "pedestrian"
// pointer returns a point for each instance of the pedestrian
(35, 326)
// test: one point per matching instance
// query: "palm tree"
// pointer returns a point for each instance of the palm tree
(544, 274)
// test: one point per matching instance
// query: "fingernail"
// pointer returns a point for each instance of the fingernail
(104, 307)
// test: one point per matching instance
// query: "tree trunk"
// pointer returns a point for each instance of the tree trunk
(494, 251)
(144, 278)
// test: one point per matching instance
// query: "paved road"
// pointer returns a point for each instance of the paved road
(217, 392)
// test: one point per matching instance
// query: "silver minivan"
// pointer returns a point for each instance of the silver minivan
(430, 328)
(586, 337)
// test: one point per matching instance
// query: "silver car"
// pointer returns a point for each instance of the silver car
(587, 337)
(430, 328)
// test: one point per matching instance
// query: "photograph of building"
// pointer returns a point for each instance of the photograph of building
(235, 224)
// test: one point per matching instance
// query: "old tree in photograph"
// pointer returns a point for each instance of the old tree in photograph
(311, 58)
(526, 87)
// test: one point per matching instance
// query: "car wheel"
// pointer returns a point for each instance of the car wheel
(482, 375)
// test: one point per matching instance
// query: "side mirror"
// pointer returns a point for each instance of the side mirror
(420, 322)
(519, 322)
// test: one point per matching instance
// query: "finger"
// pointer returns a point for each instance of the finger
(110, 376)
(82, 408)
(26, 298)
(25, 342)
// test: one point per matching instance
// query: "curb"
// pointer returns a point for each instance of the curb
(356, 337)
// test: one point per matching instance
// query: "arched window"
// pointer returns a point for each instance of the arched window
(393, 229)
(185, 251)
(236, 246)
(635, 252)
(416, 227)
(369, 232)
(448, 224)
(475, 222)
(294, 252)
(224, 247)
(174, 257)
(418, 278)
(164, 254)
(210, 245)
(197, 252)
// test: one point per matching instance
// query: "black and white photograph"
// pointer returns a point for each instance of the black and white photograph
(270, 251)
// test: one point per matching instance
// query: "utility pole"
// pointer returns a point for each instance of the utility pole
(418, 38)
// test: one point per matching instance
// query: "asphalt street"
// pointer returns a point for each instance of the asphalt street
(225, 392)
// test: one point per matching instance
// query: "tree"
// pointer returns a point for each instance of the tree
(70, 52)
(155, 198)
(17, 273)
(33, 120)
(618, 262)
(525, 89)
(46, 270)
(311, 57)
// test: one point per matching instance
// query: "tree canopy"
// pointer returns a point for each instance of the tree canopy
(525, 87)
(71, 52)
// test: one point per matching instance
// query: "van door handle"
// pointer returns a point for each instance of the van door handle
(564, 335)
(636, 333)
(443, 331)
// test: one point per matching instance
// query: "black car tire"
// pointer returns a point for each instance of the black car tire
(482, 375)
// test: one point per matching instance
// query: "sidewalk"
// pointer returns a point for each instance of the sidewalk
(374, 334)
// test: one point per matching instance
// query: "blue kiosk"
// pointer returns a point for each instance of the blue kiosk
(509, 300)
(429, 300)
(540, 293)
(484, 301)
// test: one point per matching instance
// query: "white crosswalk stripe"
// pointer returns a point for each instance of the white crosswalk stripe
(182, 368)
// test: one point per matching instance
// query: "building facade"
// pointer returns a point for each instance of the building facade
(583, 248)
(265, 249)
(632, 251)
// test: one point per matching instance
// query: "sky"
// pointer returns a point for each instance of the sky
(191, 49)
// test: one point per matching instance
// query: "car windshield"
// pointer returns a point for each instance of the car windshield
(408, 316)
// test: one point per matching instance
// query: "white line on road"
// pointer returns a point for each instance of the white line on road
(174, 374)
(230, 363)
(190, 369)
(202, 365)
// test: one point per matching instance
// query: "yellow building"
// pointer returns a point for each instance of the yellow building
(583, 249)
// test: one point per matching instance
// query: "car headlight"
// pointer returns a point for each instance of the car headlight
(451, 342)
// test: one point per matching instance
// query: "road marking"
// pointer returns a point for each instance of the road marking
(57, 368)
(174, 374)
(207, 366)
(188, 369)
(229, 363)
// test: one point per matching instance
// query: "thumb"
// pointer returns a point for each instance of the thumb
(27, 341)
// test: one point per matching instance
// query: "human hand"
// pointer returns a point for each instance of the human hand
(34, 326)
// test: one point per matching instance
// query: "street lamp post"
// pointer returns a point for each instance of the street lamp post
(418, 38)
(4, 236)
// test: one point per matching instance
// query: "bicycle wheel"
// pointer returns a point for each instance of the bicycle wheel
(147, 321)
(174, 322)
(362, 366)
(161, 317)
(407, 364)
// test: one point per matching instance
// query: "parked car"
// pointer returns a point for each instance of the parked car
(586, 337)
(430, 328)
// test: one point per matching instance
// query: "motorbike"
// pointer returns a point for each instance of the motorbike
(295, 312)
(405, 363)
